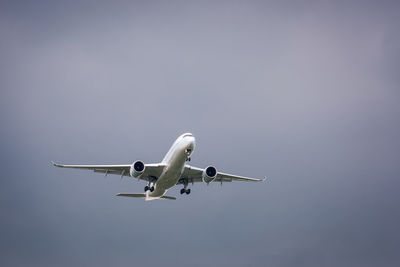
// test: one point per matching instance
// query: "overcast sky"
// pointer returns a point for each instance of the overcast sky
(304, 92)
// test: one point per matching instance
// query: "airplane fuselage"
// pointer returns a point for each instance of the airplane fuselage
(174, 162)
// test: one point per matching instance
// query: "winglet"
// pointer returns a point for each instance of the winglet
(265, 178)
(56, 165)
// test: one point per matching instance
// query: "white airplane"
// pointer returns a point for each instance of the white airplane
(171, 171)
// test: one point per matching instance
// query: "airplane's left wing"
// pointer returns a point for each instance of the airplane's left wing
(194, 174)
(151, 170)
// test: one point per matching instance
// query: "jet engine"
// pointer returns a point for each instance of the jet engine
(137, 169)
(209, 174)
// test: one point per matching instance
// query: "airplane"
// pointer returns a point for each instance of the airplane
(171, 171)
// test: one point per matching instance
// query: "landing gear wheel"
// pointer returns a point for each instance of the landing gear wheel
(183, 191)
(146, 188)
(187, 191)
(152, 189)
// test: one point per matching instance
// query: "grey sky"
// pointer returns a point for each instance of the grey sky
(305, 92)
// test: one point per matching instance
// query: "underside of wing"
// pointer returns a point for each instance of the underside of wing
(226, 176)
(151, 172)
(120, 169)
(193, 174)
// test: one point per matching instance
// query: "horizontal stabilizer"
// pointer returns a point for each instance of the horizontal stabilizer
(143, 196)
(131, 195)
(168, 197)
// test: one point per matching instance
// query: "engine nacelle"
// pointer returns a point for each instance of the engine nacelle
(209, 174)
(137, 169)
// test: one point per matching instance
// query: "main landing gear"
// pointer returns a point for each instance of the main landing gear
(148, 187)
(185, 189)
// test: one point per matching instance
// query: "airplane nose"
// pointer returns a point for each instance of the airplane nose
(191, 143)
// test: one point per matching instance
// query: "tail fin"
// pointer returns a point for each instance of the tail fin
(141, 195)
